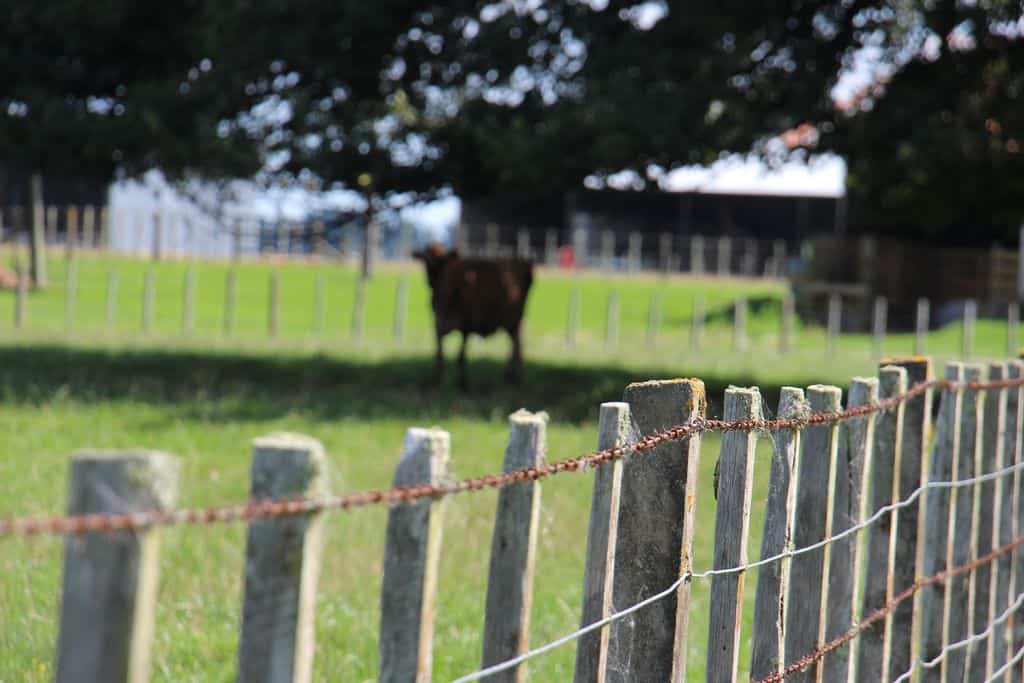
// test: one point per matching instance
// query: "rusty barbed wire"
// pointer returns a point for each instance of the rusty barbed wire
(77, 524)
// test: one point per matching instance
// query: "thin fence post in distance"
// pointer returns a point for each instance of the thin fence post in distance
(513, 549)
(1005, 507)
(71, 218)
(1015, 407)
(1012, 327)
(573, 318)
(808, 574)
(401, 306)
(104, 228)
(873, 650)
(653, 318)
(411, 554)
(835, 313)
(739, 324)
(654, 536)
(550, 247)
(110, 580)
(748, 264)
(921, 327)
(779, 258)
(786, 322)
(319, 301)
(614, 429)
(735, 483)
(112, 287)
(148, 295)
(988, 505)
(665, 251)
(879, 318)
(189, 303)
(358, 307)
(21, 302)
(770, 602)
(937, 549)
(607, 250)
(724, 260)
(967, 337)
(230, 294)
(697, 323)
(611, 330)
(851, 464)
(71, 288)
(274, 304)
(523, 243)
(89, 226)
(915, 431)
(635, 253)
(282, 562)
(51, 224)
(696, 255)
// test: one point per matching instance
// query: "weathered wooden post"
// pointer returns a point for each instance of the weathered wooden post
(614, 429)
(779, 258)
(358, 308)
(724, 261)
(611, 330)
(37, 236)
(665, 251)
(835, 313)
(786, 322)
(653, 318)
(104, 227)
(1013, 521)
(654, 535)
(768, 655)
(749, 266)
(71, 218)
(921, 327)
(236, 240)
(188, 304)
(879, 319)
(940, 516)
(274, 304)
(807, 572)
(873, 653)
(158, 235)
(1012, 327)
(282, 563)
(319, 302)
(696, 255)
(89, 226)
(551, 247)
(513, 549)
(411, 555)
(636, 251)
(493, 240)
(148, 296)
(21, 302)
(112, 286)
(71, 288)
(110, 579)
(52, 218)
(732, 522)
(523, 243)
(401, 306)
(967, 340)
(697, 322)
(230, 294)
(848, 509)
(739, 324)
(607, 250)
(317, 247)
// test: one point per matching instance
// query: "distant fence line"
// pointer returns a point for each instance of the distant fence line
(930, 518)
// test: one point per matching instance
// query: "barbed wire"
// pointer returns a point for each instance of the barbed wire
(77, 524)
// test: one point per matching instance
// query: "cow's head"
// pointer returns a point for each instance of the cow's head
(435, 258)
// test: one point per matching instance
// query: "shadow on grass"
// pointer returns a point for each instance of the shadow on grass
(238, 386)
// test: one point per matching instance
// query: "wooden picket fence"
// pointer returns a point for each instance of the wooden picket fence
(885, 549)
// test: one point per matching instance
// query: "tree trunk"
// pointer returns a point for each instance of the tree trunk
(37, 241)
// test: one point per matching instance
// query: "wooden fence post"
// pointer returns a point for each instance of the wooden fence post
(282, 563)
(523, 243)
(732, 522)
(89, 226)
(573, 319)
(1014, 639)
(697, 322)
(71, 218)
(158, 235)
(989, 510)
(614, 429)
(411, 555)
(773, 579)
(71, 288)
(550, 247)
(873, 650)
(654, 536)
(851, 465)
(188, 306)
(51, 224)
(878, 325)
(1012, 326)
(319, 302)
(636, 251)
(607, 250)
(21, 302)
(908, 548)
(967, 339)
(749, 263)
(779, 257)
(665, 251)
(653, 318)
(921, 327)
(739, 324)
(808, 575)
(493, 245)
(112, 286)
(513, 549)
(786, 322)
(110, 579)
(230, 292)
(937, 550)
(696, 255)
(401, 306)
(724, 261)
(835, 312)
(274, 304)
(104, 228)
(611, 330)
(358, 308)
(148, 295)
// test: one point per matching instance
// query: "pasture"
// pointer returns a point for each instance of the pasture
(204, 395)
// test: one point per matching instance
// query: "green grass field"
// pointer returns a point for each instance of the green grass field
(204, 397)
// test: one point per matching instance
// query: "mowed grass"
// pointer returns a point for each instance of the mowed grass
(204, 397)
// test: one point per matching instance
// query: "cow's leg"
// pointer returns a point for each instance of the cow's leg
(439, 358)
(514, 369)
(463, 383)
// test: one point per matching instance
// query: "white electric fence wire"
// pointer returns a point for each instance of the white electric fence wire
(1001, 671)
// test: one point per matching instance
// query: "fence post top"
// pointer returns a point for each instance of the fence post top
(154, 472)
(286, 464)
(692, 389)
(432, 440)
(525, 417)
(288, 441)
